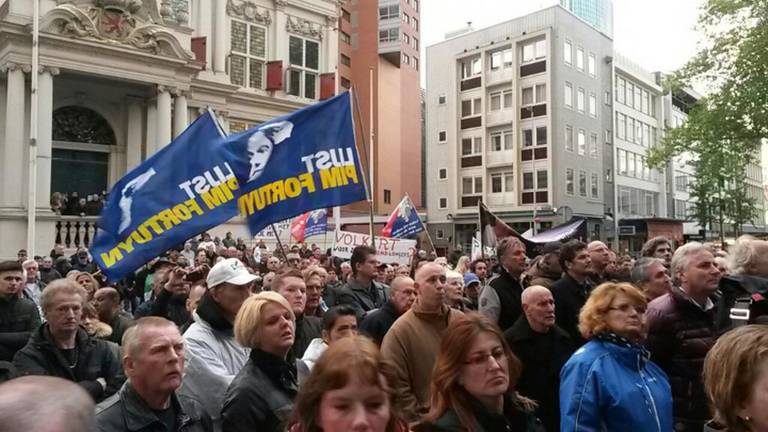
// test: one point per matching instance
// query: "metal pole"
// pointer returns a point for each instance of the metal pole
(279, 243)
(369, 190)
(371, 166)
(33, 125)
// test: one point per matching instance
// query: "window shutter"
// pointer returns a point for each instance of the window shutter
(275, 75)
(198, 48)
(327, 86)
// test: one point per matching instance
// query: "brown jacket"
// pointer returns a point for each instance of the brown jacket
(411, 345)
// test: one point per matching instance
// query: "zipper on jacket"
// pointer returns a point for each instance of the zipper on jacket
(650, 395)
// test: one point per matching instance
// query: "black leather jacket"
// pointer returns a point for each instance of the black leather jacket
(126, 411)
(260, 398)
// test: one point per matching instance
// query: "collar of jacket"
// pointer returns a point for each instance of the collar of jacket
(521, 330)
(140, 416)
(634, 357)
(682, 298)
(355, 285)
(277, 369)
(753, 284)
(514, 408)
(440, 316)
(210, 311)
(43, 339)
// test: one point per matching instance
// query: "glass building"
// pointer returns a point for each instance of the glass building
(599, 13)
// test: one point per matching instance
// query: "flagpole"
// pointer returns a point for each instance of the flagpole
(279, 243)
(367, 183)
(480, 228)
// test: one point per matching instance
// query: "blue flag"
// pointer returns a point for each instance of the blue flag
(404, 221)
(317, 222)
(295, 163)
(182, 190)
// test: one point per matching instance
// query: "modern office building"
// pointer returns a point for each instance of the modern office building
(598, 13)
(119, 78)
(519, 115)
(379, 56)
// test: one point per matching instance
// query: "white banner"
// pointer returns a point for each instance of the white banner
(476, 250)
(283, 229)
(388, 250)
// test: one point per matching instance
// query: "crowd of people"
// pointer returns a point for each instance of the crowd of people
(72, 204)
(221, 336)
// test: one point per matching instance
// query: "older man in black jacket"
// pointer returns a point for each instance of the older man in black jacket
(154, 363)
(61, 348)
(543, 348)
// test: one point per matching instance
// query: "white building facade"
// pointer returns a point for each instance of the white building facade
(118, 79)
(519, 116)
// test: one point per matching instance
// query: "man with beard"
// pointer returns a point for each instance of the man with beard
(107, 304)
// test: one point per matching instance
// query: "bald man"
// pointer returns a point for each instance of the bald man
(543, 348)
(377, 322)
(600, 256)
(107, 303)
(45, 404)
(412, 343)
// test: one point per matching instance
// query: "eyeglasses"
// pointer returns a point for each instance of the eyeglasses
(626, 308)
(480, 359)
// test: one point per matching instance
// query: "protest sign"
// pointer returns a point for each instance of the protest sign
(388, 250)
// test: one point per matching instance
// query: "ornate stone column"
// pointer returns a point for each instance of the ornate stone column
(151, 137)
(204, 28)
(163, 116)
(180, 114)
(44, 136)
(133, 134)
(221, 37)
(12, 152)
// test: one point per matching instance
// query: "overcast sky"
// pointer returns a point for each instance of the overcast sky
(657, 34)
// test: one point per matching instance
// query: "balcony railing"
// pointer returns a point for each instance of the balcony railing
(76, 231)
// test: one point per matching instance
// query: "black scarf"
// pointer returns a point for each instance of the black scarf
(211, 312)
(622, 342)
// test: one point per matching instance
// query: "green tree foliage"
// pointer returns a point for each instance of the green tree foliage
(724, 129)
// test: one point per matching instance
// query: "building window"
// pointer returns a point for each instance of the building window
(534, 51)
(569, 181)
(347, 39)
(415, 24)
(569, 138)
(541, 136)
(568, 95)
(528, 181)
(594, 185)
(502, 182)
(681, 183)
(406, 59)
(527, 137)
(442, 173)
(580, 58)
(248, 45)
(441, 136)
(536, 94)
(507, 96)
(441, 100)
(389, 35)
(470, 68)
(501, 59)
(593, 146)
(541, 93)
(387, 12)
(501, 140)
(583, 183)
(345, 15)
(495, 101)
(416, 5)
(443, 203)
(621, 155)
(471, 146)
(527, 96)
(345, 60)
(304, 58)
(621, 125)
(580, 99)
(406, 38)
(471, 107)
(439, 234)
(591, 64)
(592, 105)
(621, 87)
(582, 142)
(415, 43)
(471, 185)
(345, 83)
(406, 18)
(542, 180)
(608, 136)
(387, 196)
(568, 52)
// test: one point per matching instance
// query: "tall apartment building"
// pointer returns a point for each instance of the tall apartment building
(598, 13)
(381, 38)
(519, 115)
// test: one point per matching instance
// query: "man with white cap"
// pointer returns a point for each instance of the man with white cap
(213, 355)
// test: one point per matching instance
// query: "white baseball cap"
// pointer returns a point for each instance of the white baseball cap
(230, 270)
